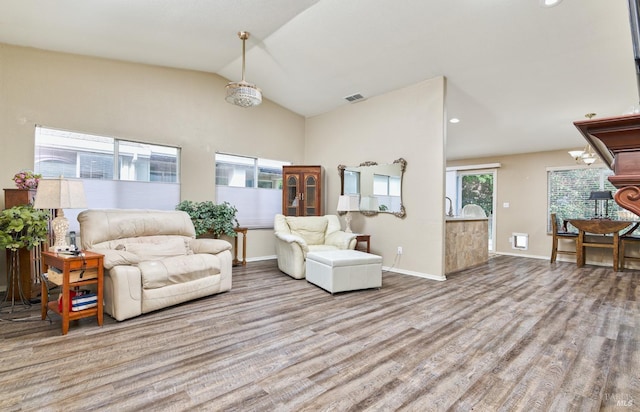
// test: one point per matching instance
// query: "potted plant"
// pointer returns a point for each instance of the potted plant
(23, 227)
(210, 218)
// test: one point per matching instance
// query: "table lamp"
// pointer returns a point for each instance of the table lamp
(60, 194)
(598, 196)
(347, 203)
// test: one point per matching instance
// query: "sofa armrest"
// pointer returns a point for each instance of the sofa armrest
(289, 238)
(117, 257)
(212, 246)
(340, 239)
(123, 292)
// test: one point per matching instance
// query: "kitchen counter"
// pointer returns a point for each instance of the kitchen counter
(466, 242)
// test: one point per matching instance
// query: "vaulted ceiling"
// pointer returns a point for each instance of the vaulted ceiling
(518, 74)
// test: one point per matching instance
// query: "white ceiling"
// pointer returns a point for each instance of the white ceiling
(518, 74)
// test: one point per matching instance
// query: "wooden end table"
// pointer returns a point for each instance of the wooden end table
(362, 238)
(66, 264)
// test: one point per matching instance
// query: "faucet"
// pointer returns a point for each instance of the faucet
(450, 212)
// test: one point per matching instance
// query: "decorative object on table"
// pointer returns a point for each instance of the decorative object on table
(597, 197)
(348, 203)
(21, 227)
(26, 179)
(210, 218)
(242, 93)
(60, 194)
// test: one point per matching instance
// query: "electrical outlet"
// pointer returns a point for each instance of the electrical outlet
(399, 250)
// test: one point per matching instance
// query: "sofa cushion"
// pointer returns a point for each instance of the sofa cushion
(177, 269)
(165, 247)
(310, 228)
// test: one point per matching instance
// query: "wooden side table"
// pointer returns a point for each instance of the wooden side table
(238, 231)
(361, 238)
(66, 264)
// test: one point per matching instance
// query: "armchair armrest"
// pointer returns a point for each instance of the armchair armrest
(289, 238)
(340, 239)
(212, 246)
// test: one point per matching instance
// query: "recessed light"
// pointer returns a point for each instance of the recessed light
(549, 3)
(454, 120)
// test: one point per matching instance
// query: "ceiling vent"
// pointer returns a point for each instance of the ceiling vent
(354, 98)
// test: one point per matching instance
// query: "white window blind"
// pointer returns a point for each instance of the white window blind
(256, 207)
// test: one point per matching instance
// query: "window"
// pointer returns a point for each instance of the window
(252, 185)
(387, 190)
(86, 156)
(569, 190)
(351, 182)
(116, 173)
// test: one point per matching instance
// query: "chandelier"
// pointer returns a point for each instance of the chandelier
(587, 155)
(242, 93)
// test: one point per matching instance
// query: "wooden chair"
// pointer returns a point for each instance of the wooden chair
(560, 234)
(625, 240)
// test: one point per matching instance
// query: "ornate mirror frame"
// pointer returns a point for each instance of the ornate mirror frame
(403, 165)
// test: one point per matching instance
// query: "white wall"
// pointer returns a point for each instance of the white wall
(187, 109)
(139, 102)
(406, 123)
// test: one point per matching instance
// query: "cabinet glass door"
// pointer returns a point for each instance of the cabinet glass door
(292, 201)
(310, 195)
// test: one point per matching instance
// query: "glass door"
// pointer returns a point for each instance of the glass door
(478, 187)
(310, 194)
(292, 199)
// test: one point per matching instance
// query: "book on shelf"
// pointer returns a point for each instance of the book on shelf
(86, 298)
(82, 306)
(79, 300)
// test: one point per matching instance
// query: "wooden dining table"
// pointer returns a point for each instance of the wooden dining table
(600, 227)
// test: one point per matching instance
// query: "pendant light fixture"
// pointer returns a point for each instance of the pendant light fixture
(587, 155)
(241, 93)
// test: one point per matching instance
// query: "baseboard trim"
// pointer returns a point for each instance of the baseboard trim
(439, 278)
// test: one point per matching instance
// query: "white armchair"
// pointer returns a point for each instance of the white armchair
(298, 235)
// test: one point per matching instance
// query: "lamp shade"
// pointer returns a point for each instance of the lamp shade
(369, 203)
(601, 195)
(60, 194)
(347, 203)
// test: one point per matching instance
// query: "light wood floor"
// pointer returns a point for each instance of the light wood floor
(513, 335)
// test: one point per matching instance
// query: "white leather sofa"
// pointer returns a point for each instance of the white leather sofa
(298, 235)
(153, 260)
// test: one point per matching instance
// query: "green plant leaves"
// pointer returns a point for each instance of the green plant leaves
(208, 217)
(23, 227)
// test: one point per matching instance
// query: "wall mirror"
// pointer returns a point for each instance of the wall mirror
(378, 186)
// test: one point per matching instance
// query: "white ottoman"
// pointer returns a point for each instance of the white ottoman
(342, 270)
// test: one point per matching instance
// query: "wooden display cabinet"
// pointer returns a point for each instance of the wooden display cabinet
(30, 260)
(302, 190)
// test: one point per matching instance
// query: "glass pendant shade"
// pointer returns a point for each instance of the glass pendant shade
(242, 93)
